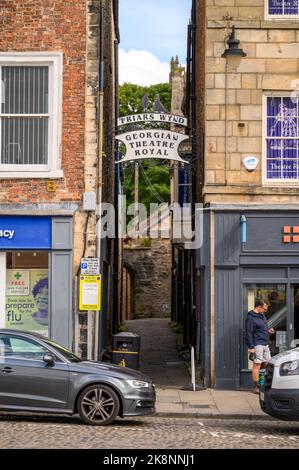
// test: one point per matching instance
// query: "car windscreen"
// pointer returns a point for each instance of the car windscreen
(62, 350)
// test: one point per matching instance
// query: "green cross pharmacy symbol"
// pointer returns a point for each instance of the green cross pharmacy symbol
(18, 276)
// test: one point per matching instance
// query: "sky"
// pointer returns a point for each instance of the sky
(151, 32)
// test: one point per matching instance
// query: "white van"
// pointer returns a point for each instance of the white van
(279, 397)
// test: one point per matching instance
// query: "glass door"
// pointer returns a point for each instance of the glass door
(275, 295)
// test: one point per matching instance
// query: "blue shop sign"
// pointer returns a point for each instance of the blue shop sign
(25, 233)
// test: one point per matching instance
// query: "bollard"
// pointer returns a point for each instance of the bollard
(193, 386)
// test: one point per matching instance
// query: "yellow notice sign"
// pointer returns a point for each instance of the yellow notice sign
(90, 292)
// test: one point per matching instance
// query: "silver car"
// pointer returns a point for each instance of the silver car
(39, 375)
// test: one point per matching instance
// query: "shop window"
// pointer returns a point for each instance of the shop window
(282, 9)
(275, 296)
(27, 291)
(281, 139)
(29, 114)
(184, 185)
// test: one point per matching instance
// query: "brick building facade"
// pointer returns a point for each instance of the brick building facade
(55, 134)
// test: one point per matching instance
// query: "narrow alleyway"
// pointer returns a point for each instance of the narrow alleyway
(159, 358)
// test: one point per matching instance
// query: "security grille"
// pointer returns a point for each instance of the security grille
(24, 116)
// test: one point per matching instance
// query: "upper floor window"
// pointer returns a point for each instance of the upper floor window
(281, 141)
(30, 97)
(282, 9)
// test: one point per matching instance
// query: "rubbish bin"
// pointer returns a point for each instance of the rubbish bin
(126, 350)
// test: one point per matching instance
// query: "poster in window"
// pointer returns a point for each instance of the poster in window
(282, 138)
(283, 7)
(27, 300)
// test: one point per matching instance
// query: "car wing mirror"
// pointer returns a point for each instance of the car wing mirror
(49, 359)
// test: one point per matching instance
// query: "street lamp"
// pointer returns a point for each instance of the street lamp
(233, 54)
(233, 46)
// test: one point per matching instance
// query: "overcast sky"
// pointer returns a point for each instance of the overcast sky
(152, 31)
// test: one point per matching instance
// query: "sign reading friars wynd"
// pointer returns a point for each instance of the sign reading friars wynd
(152, 143)
(152, 117)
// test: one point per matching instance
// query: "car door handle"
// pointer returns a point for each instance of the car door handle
(7, 370)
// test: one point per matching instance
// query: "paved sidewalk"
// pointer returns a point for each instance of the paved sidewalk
(160, 360)
(208, 403)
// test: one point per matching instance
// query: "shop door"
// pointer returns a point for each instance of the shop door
(294, 324)
(278, 315)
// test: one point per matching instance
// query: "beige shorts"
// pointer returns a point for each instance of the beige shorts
(262, 354)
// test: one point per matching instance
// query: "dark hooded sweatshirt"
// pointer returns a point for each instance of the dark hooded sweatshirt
(257, 329)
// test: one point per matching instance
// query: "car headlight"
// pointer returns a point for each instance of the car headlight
(138, 384)
(289, 368)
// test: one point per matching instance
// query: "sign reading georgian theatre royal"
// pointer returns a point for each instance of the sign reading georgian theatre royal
(152, 143)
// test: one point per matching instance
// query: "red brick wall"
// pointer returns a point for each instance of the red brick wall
(51, 25)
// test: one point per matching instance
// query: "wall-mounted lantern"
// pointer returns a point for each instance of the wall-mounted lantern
(233, 54)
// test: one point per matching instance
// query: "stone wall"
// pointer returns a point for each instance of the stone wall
(233, 114)
(151, 274)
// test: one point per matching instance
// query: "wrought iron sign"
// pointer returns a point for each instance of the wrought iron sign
(145, 143)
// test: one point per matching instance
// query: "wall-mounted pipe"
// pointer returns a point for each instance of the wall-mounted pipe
(243, 221)
(100, 160)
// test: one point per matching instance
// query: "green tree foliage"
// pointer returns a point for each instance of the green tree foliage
(130, 97)
(154, 181)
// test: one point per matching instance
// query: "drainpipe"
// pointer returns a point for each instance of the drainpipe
(100, 160)
(225, 125)
(118, 246)
(212, 299)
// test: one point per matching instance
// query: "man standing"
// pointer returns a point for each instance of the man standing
(257, 338)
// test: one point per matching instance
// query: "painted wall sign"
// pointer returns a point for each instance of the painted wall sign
(25, 232)
(154, 143)
(7, 234)
(152, 117)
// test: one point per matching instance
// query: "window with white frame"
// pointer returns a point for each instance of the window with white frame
(282, 9)
(281, 138)
(30, 97)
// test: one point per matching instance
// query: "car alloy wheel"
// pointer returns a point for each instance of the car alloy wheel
(98, 405)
